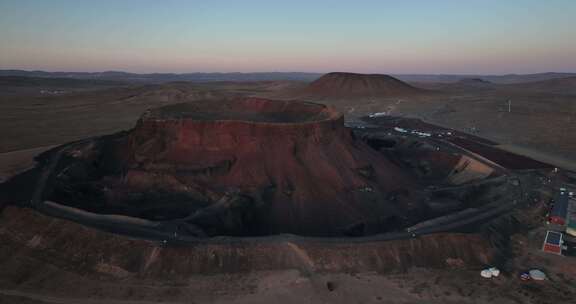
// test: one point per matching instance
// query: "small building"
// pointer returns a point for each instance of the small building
(571, 218)
(559, 211)
(553, 242)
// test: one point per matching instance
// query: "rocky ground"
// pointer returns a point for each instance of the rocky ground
(71, 272)
(45, 261)
(541, 120)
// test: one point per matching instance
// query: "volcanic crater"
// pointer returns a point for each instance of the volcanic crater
(252, 167)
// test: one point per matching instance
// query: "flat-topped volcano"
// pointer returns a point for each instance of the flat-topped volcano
(203, 132)
(247, 166)
(255, 110)
(352, 85)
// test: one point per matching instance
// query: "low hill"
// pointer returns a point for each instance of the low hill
(497, 79)
(351, 85)
(167, 77)
(465, 85)
(565, 85)
(25, 81)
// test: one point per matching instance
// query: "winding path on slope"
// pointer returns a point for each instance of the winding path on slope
(167, 231)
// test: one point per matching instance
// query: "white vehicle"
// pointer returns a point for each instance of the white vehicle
(400, 130)
(378, 114)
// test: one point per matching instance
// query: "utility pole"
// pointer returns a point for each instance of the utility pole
(509, 105)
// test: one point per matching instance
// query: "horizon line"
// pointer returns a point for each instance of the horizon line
(276, 71)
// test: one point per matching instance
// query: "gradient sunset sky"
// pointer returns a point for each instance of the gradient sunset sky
(409, 36)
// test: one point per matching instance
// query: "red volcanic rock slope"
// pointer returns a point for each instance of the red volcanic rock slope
(305, 170)
(351, 85)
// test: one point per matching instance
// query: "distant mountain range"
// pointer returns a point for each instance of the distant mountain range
(267, 76)
(166, 77)
(499, 79)
(28, 81)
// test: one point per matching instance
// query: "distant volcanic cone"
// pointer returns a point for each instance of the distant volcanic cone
(351, 85)
(245, 167)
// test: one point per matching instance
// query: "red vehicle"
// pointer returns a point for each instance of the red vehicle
(553, 242)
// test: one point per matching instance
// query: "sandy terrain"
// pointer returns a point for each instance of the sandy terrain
(29, 274)
(558, 161)
(542, 115)
(16, 162)
(30, 121)
(415, 286)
